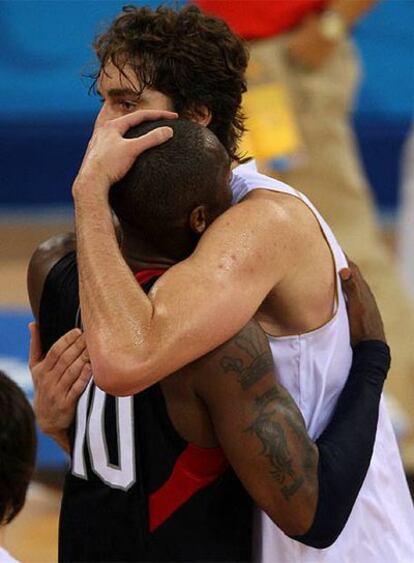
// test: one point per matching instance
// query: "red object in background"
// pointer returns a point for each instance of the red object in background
(257, 19)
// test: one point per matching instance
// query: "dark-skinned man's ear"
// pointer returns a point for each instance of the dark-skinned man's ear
(197, 219)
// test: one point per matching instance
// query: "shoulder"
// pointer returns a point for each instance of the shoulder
(283, 202)
(52, 249)
(260, 217)
(265, 228)
(44, 258)
(268, 202)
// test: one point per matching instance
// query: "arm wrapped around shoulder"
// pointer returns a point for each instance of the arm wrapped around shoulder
(345, 449)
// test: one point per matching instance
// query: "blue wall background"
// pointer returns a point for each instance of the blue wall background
(46, 113)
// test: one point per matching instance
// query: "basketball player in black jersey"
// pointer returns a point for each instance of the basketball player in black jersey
(153, 476)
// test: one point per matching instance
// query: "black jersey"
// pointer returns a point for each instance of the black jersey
(136, 491)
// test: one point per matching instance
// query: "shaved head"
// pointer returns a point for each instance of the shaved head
(167, 182)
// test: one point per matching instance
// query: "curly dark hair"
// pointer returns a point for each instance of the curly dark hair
(192, 58)
(17, 448)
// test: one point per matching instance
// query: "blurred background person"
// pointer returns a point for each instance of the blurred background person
(17, 454)
(305, 47)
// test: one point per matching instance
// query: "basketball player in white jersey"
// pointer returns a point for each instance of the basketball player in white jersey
(271, 256)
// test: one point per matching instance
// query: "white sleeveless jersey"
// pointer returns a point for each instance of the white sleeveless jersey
(5, 557)
(314, 367)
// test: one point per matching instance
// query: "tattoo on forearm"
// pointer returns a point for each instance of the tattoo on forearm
(248, 375)
(309, 455)
(277, 422)
(275, 447)
(261, 361)
(294, 419)
(272, 394)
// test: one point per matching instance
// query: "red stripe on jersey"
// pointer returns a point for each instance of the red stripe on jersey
(194, 469)
(145, 275)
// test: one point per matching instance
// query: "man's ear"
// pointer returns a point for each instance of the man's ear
(197, 220)
(201, 115)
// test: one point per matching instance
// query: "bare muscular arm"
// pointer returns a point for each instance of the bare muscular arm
(308, 489)
(260, 428)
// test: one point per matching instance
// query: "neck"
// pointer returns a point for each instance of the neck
(140, 256)
(140, 253)
(2, 534)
